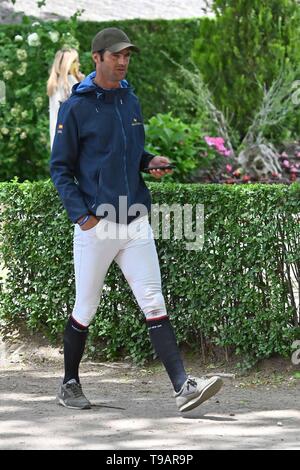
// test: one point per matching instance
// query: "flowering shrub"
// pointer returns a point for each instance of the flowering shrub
(25, 59)
(289, 164)
(184, 144)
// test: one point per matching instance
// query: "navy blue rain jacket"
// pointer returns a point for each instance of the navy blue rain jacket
(98, 150)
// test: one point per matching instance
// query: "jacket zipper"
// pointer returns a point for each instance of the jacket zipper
(124, 155)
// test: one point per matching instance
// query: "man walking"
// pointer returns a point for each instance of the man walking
(97, 158)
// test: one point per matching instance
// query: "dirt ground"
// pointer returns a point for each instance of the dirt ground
(110, 10)
(133, 407)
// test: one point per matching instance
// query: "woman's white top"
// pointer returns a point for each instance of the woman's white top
(54, 103)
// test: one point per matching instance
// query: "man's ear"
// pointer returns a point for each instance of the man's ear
(96, 57)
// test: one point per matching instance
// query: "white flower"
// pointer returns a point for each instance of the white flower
(14, 112)
(7, 75)
(18, 38)
(24, 114)
(69, 41)
(33, 40)
(22, 70)
(2, 92)
(54, 36)
(21, 54)
(36, 23)
(4, 130)
(38, 102)
(23, 136)
(2, 65)
(43, 139)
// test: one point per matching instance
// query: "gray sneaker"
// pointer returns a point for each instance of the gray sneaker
(195, 391)
(71, 395)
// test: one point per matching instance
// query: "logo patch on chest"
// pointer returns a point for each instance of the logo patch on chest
(136, 122)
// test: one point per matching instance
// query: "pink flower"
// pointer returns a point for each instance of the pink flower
(218, 143)
(228, 168)
(297, 154)
(246, 178)
(285, 155)
(214, 141)
(226, 153)
(286, 164)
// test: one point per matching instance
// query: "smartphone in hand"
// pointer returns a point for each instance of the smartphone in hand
(169, 166)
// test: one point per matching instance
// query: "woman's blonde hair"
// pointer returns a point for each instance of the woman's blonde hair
(60, 70)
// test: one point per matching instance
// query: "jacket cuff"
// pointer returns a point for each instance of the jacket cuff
(74, 215)
(146, 159)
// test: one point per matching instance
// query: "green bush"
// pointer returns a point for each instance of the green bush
(235, 293)
(184, 144)
(242, 50)
(26, 54)
(25, 61)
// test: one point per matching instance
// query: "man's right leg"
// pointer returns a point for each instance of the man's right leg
(74, 343)
(92, 258)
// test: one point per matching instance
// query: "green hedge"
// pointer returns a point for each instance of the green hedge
(235, 293)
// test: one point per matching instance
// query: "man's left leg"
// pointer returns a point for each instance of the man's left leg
(139, 263)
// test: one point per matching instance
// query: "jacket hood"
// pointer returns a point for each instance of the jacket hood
(88, 85)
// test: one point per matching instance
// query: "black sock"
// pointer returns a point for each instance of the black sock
(164, 342)
(74, 342)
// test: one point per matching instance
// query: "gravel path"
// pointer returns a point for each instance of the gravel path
(107, 10)
(133, 408)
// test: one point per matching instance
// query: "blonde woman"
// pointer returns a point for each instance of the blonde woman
(64, 74)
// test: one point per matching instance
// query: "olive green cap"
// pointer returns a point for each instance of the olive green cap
(112, 40)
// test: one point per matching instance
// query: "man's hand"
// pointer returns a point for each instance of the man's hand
(157, 161)
(90, 223)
